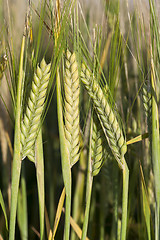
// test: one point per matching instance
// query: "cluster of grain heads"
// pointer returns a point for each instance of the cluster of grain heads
(107, 117)
(71, 107)
(32, 116)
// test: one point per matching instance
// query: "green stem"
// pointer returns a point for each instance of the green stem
(155, 147)
(86, 217)
(66, 171)
(22, 207)
(114, 232)
(124, 200)
(40, 179)
(16, 168)
(88, 190)
(102, 207)
(79, 192)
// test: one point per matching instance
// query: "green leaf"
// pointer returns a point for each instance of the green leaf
(146, 209)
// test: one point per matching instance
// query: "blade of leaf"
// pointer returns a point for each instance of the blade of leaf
(146, 207)
(138, 138)
(59, 212)
(76, 228)
(48, 226)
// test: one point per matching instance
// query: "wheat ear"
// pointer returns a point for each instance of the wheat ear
(31, 119)
(107, 117)
(71, 107)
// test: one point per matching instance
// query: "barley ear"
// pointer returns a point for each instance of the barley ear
(107, 117)
(99, 149)
(147, 103)
(32, 116)
(71, 107)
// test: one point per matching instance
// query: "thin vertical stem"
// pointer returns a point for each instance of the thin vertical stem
(40, 179)
(22, 207)
(16, 168)
(88, 189)
(124, 201)
(66, 171)
(155, 146)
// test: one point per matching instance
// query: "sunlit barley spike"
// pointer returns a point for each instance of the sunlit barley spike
(32, 116)
(71, 106)
(106, 116)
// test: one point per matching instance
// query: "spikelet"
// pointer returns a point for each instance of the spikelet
(31, 154)
(31, 119)
(147, 103)
(99, 150)
(3, 64)
(108, 120)
(71, 107)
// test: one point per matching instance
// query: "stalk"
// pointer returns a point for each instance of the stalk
(22, 207)
(79, 192)
(155, 147)
(88, 190)
(66, 171)
(114, 232)
(16, 157)
(102, 208)
(40, 179)
(124, 200)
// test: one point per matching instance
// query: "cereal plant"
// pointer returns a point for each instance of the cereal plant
(79, 120)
